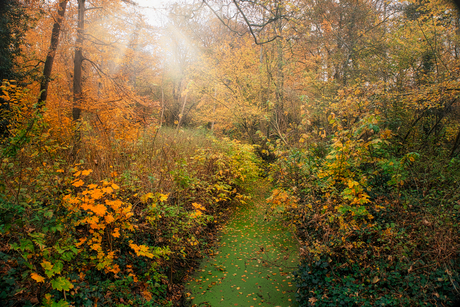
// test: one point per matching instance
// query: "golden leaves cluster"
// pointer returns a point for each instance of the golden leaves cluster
(104, 213)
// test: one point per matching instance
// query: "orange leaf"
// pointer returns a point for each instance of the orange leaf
(99, 209)
(115, 204)
(133, 276)
(198, 206)
(82, 240)
(78, 183)
(37, 277)
(115, 269)
(109, 218)
(107, 190)
(116, 233)
(86, 172)
(147, 295)
(96, 193)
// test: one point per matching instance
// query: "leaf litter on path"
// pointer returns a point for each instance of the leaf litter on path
(252, 267)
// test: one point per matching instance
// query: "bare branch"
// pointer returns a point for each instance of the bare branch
(253, 28)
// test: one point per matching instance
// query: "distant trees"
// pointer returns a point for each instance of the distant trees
(241, 68)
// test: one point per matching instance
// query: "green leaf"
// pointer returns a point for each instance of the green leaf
(67, 256)
(61, 283)
(48, 214)
(58, 266)
(61, 303)
(26, 244)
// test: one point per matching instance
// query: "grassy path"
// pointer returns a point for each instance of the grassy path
(253, 265)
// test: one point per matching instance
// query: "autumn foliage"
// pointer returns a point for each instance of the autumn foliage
(114, 183)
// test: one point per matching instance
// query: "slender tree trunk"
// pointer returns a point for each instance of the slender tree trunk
(279, 89)
(51, 53)
(78, 62)
(280, 119)
(162, 104)
(181, 112)
(214, 111)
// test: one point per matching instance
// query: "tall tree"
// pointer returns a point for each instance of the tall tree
(13, 24)
(52, 52)
(78, 62)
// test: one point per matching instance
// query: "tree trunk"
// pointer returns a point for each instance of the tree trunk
(78, 62)
(162, 102)
(51, 53)
(181, 113)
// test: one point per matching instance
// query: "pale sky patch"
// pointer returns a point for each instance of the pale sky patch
(155, 10)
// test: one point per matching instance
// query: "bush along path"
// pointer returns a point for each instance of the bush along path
(252, 264)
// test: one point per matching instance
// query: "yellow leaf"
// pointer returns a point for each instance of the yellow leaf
(92, 186)
(135, 247)
(77, 174)
(375, 280)
(78, 183)
(198, 206)
(164, 197)
(141, 250)
(115, 187)
(350, 183)
(47, 265)
(60, 171)
(195, 214)
(146, 197)
(37, 277)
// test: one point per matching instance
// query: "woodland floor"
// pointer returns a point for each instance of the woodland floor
(253, 263)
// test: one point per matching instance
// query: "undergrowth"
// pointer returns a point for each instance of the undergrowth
(378, 222)
(124, 225)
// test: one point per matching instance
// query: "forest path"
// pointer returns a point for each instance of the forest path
(253, 263)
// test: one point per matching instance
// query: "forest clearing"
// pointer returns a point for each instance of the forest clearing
(249, 153)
